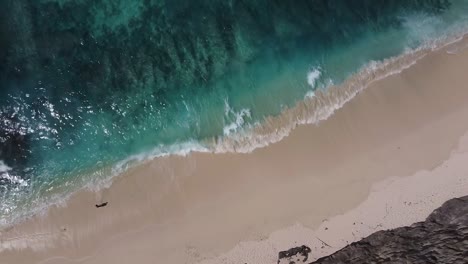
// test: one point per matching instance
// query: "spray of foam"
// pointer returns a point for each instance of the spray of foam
(5, 174)
(316, 107)
(239, 118)
(313, 76)
(3, 167)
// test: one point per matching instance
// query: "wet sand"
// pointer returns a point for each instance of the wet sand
(374, 158)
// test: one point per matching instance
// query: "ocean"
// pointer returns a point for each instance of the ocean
(91, 88)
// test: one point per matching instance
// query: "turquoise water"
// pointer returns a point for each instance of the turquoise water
(85, 84)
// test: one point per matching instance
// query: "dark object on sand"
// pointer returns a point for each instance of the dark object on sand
(101, 205)
(442, 238)
(297, 255)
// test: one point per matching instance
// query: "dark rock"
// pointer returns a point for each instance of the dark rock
(442, 238)
(297, 255)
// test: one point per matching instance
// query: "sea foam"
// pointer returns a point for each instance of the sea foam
(319, 105)
(313, 76)
(3, 167)
(239, 118)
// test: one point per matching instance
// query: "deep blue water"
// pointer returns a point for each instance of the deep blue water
(87, 83)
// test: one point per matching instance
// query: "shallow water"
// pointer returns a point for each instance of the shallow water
(86, 84)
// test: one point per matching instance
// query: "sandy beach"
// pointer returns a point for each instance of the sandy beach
(389, 157)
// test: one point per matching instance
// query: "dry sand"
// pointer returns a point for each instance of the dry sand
(393, 153)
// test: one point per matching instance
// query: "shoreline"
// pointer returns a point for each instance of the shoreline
(178, 200)
(309, 111)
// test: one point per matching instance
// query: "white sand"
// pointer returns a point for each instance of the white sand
(395, 202)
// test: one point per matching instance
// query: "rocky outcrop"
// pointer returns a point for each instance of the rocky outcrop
(442, 238)
(295, 255)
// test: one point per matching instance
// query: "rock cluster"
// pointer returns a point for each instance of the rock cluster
(441, 238)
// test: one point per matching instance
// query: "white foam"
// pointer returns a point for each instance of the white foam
(239, 120)
(313, 76)
(309, 94)
(247, 139)
(4, 167)
(457, 49)
(13, 179)
(180, 149)
(5, 174)
(371, 69)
